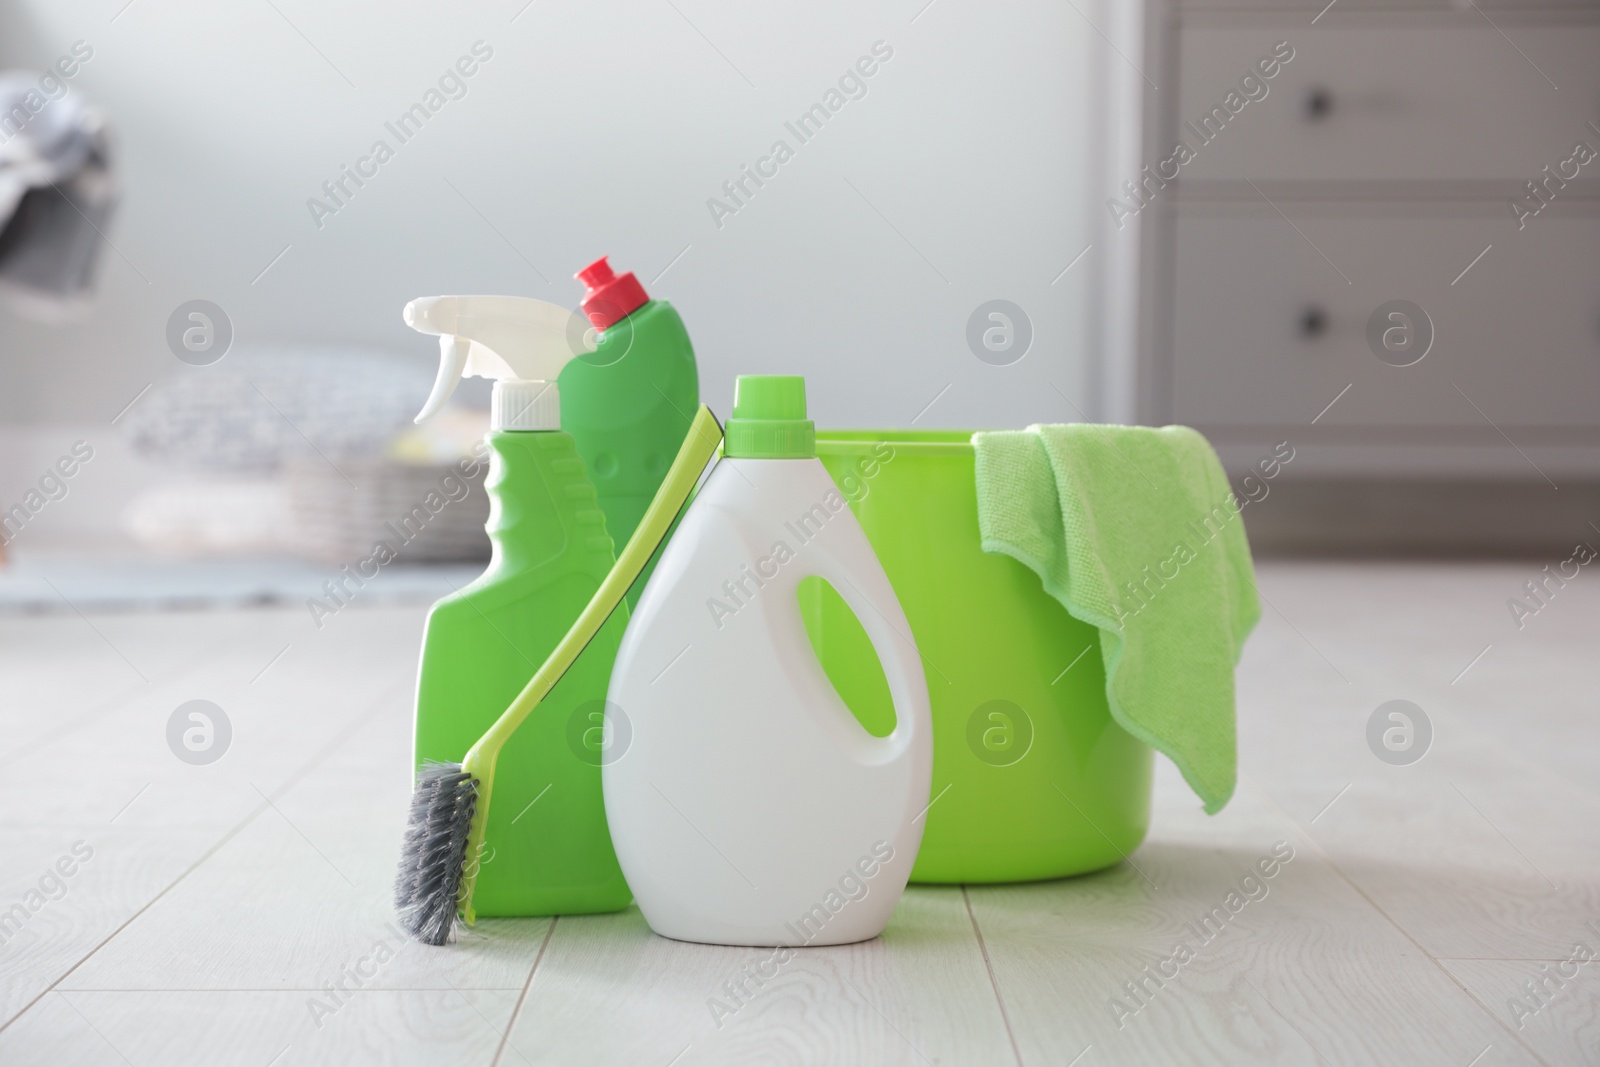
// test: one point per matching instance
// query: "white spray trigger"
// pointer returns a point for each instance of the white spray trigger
(452, 361)
(520, 342)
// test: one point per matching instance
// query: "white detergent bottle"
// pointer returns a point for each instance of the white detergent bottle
(746, 803)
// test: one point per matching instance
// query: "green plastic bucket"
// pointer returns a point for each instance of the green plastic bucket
(1031, 777)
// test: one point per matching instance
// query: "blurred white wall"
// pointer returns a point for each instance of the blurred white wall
(969, 171)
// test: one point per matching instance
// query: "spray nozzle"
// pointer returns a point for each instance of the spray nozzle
(520, 342)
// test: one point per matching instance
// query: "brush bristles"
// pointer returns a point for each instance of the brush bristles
(434, 851)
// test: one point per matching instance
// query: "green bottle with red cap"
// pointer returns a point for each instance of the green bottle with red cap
(628, 404)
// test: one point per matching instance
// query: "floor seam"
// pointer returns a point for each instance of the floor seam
(1529, 763)
(511, 1023)
(238, 828)
(111, 704)
(994, 982)
(1375, 906)
(96, 711)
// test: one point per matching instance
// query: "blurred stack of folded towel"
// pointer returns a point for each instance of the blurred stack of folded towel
(307, 451)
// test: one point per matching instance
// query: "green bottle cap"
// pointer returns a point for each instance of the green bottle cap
(769, 419)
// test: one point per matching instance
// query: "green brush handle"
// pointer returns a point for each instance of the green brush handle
(705, 434)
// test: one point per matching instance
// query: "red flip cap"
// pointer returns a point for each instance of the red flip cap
(609, 297)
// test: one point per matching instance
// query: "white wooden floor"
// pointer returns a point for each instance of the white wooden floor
(220, 901)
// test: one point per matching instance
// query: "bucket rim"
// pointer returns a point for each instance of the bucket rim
(932, 442)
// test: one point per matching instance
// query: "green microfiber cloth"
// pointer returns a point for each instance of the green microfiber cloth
(1135, 531)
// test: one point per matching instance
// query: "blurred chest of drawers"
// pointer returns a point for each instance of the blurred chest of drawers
(1377, 172)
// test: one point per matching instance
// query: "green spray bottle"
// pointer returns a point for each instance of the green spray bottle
(546, 847)
(628, 404)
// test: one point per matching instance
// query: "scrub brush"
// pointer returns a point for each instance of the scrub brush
(450, 806)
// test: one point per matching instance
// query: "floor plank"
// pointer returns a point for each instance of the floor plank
(1561, 1023)
(609, 991)
(221, 901)
(1305, 970)
(69, 917)
(304, 890)
(255, 1028)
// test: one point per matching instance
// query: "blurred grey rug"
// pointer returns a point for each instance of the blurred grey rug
(47, 582)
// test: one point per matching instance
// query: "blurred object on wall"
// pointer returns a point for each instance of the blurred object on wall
(308, 451)
(57, 192)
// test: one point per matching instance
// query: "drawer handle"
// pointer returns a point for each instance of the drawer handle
(1313, 322)
(1318, 104)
